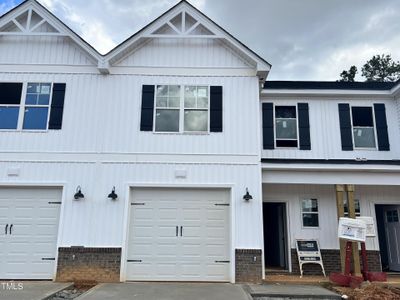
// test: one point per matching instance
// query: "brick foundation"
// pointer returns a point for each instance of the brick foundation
(331, 260)
(89, 264)
(248, 265)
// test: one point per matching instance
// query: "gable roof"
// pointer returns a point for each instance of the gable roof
(60, 28)
(129, 45)
(145, 32)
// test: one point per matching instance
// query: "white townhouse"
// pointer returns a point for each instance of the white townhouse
(171, 158)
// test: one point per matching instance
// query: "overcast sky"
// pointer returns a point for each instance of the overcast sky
(302, 39)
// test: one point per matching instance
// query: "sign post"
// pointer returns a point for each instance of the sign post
(308, 252)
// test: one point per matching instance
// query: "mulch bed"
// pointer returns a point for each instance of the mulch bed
(369, 291)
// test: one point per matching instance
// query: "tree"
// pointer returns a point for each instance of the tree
(349, 76)
(381, 68)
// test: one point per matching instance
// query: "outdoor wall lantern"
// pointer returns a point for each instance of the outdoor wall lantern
(113, 195)
(247, 196)
(78, 195)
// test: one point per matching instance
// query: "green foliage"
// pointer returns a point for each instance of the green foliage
(350, 75)
(381, 68)
(378, 68)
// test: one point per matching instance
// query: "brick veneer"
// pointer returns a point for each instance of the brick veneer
(89, 264)
(248, 265)
(331, 260)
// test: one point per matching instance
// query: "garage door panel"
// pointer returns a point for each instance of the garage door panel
(34, 232)
(189, 257)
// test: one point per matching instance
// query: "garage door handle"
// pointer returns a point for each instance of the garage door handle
(6, 229)
(11, 228)
(177, 230)
(181, 230)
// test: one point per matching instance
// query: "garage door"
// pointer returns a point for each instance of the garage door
(28, 237)
(179, 235)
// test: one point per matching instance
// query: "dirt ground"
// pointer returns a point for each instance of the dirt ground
(370, 291)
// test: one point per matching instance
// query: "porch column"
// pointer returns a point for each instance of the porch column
(340, 213)
(352, 214)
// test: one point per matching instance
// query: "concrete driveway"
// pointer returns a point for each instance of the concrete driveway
(166, 291)
(29, 290)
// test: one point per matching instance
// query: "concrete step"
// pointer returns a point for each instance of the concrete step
(289, 291)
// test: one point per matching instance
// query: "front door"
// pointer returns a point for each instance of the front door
(392, 230)
(275, 250)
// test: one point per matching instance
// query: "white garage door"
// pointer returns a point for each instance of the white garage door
(179, 235)
(28, 232)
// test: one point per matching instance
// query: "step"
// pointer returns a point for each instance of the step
(289, 291)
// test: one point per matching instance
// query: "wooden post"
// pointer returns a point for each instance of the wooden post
(352, 214)
(340, 213)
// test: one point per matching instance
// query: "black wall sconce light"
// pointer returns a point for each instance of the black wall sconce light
(78, 195)
(247, 197)
(113, 195)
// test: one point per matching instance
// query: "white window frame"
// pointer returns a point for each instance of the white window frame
(346, 214)
(297, 129)
(182, 109)
(305, 212)
(14, 105)
(374, 127)
(22, 106)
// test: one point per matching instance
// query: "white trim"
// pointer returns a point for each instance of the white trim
(54, 69)
(375, 148)
(211, 71)
(331, 177)
(129, 186)
(62, 29)
(184, 7)
(301, 199)
(33, 34)
(288, 225)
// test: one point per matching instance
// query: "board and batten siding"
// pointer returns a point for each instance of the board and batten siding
(328, 224)
(325, 130)
(33, 50)
(185, 53)
(97, 221)
(102, 115)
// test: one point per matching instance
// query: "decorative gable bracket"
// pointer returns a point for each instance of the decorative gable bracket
(29, 22)
(182, 25)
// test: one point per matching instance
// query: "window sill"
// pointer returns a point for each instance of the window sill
(23, 131)
(182, 133)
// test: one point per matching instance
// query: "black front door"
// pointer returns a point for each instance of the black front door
(275, 235)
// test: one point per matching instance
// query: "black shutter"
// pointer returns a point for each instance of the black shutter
(268, 125)
(146, 120)
(57, 106)
(345, 127)
(216, 105)
(10, 93)
(381, 127)
(304, 126)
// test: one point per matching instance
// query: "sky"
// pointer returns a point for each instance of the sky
(302, 39)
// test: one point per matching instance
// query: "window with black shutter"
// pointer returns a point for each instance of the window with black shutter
(40, 108)
(10, 102)
(181, 109)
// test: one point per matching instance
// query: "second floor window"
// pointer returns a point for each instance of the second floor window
(181, 108)
(363, 127)
(27, 112)
(37, 104)
(286, 126)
